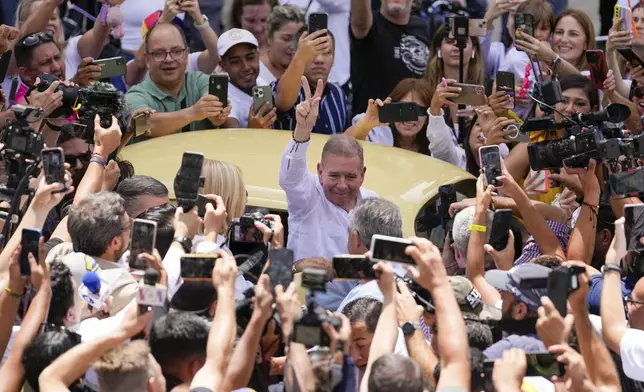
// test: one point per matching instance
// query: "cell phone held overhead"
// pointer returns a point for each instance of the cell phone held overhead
(386, 248)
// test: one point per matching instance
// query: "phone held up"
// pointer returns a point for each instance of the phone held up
(218, 86)
(143, 239)
(386, 248)
(490, 158)
(29, 243)
(53, 160)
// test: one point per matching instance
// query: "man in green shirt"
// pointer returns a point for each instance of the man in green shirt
(180, 98)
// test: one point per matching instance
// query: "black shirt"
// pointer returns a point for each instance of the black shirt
(385, 56)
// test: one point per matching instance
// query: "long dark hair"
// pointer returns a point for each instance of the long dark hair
(424, 91)
(238, 8)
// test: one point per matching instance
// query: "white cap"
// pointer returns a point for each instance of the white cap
(234, 37)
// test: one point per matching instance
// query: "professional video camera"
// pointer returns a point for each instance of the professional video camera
(100, 98)
(308, 328)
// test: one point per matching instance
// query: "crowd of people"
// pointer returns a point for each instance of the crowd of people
(463, 314)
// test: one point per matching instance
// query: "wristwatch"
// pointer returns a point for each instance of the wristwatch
(185, 242)
(606, 268)
(409, 328)
(205, 23)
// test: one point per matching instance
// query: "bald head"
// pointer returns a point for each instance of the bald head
(343, 146)
(164, 28)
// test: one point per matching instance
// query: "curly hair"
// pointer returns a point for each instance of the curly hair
(62, 292)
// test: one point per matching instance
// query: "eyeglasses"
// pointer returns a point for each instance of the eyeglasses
(630, 299)
(161, 55)
(83, 158)
(37, 38)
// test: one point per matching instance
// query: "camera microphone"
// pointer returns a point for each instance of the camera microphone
(150, 293)
(614, 113)
(93, 291)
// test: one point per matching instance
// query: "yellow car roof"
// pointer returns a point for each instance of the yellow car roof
(408, 179)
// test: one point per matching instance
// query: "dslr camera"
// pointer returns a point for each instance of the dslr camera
(19, 138)
(243, 229)
(308, 328)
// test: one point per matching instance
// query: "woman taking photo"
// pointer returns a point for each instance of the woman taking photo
(283, 23)
(422, 136)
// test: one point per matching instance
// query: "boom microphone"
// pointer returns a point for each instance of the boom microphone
(614, 113)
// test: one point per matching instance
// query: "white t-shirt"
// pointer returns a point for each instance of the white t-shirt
(72, 57)
(631, 351)
(266, 74)
(135, 11)
(241, 102)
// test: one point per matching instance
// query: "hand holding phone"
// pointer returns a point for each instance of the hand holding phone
(142, 240)
(112, 67)
(218, 87)
(490, 158)
(53, 160)
(318, 21)
(386, 248)
(29, 244)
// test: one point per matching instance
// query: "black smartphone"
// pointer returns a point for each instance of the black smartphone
(30, 239)
(490, 158)
(318, 21)
(525, 23)
(53, 162)
(505, 82)
(631, 56)
(202, 201)
(218, 87)
(188, 180)
(458, 27)
(112, 67)
(386, 248)
(398, 112)
(353, 267)
(447, 196)
(142, 240)
(197, 267)
(558, 289)
(280, 267)
(634, 226)
(544, 365)
(499, 234)
(625, 183)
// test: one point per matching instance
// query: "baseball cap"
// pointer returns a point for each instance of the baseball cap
(511, 281)
(470, 302)
(234, 37)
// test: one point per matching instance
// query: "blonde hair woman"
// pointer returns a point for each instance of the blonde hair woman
(225, 180)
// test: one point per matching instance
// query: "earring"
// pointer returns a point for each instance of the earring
(473, 55)
(439, 54)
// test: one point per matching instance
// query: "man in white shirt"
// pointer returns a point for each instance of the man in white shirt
(338, 12)
(319, 206)
(238, 50)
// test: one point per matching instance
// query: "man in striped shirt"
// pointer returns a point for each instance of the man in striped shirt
(313, 60)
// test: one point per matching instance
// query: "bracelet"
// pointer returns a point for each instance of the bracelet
(305, 141)
(611, 267)
(97, 158)
(12, 293)
(479, 228)
(594, 209)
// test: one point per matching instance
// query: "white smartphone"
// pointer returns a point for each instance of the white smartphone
(386, 248)
(541, 176)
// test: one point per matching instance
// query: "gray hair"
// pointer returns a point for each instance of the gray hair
(134, 187)
(283, 14)
(375, 215)
(461, 228)
(95, 221)
(344, 146)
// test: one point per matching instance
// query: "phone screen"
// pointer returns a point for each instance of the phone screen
(505, 82)
(350, 267)
(143, 238)
(544, 365)
(247, 234)
(197, 267)
(391, 250)
(53, 164)
(634, 226)
(186, 182)
(558, 289)
(219, 88)
(30, 239)
(280, 268)
(491, 163)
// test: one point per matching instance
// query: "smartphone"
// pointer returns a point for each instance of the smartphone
(539, 365)
(386, 248)
(280, 267)
(627, 18)
(261, 96)
(398, 112)
(188, 179)
(541, 175)
(142, 240)
(142, 124)
(471, 94)
(112, 67)
(318, 21)
(558, 289)
(353, 267)
(53, 161)
(634, 226)
(29, 243)
(630, 56)
(490, 158)
(478, 28)
(625, 183)
(447, 196)
(458, 27)
(218, 87)
(246, 233)
(202, 201)
(505, 82)
(499, 235)
(525, 23)
(197, 267)
(598, 68)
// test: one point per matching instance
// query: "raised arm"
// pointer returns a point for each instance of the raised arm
(582, 240)
(617, 39)
(295, 179)
(611, 308)
(242, 362)
(37, 21)
(548, 211)
(91, 43)
(364, 123)
(442, 142)
(222, 332)
(71, 366)
(386, 332)
(361, 18)
(10, 299)
(308, 48)
(452, 346)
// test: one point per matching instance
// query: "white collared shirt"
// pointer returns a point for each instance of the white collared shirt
(317, 227)
(241, 102)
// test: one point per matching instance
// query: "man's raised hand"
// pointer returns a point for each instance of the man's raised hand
(306, 112)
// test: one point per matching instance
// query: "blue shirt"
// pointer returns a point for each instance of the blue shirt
(593, 300)
(333, 117)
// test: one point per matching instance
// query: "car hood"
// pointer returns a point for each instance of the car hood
(408, 179)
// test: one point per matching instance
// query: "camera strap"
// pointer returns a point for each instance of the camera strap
(184, 105)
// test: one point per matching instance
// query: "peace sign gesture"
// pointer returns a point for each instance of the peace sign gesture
(307, 111)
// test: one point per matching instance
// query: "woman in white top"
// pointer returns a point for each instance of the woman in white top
(430, 137)
(283, 23)
(135, 11)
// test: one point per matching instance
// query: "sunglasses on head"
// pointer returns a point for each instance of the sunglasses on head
(37, 38)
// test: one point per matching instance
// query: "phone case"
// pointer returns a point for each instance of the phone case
(626, 15)
(598, 68)
(558, 289)
(29, 243)
(219, 87)
(505, 82)
(53, 165)
(630, 56)
(491, 164)
(471, 94)
(142, 125)
(542, 174)
(398, 112)
(318, 21)
(478, 27)
(386, 248)
(500, 226)
(262, 95)
(112, 67)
